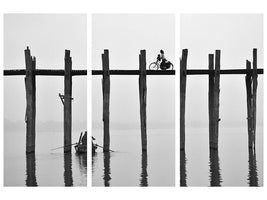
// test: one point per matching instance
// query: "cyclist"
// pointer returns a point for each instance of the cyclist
(161, 57)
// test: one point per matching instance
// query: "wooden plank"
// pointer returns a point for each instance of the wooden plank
(222, 71)
(60, 72)
(216, 119)
(31, 101)
(211, 100)
(249, 104)
(106, 97)
(142, 97)
(183, 74)
(135, 72)
(254, 94)
(67, 102)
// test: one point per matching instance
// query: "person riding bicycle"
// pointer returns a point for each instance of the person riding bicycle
(161, 57)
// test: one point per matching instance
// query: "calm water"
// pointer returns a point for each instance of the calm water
(127, 166)
(232, 165)
(45, 167)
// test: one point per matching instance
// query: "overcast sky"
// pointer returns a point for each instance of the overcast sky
(47, 35)
(125, 35)
(235, 36)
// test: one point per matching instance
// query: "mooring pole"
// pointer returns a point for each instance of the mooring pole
(67, 101)
(254, 95)
(106, 97)
(249, 104)
(216, 118)
(142, 97)
(211, 100)
(31, 101)
(183, 63)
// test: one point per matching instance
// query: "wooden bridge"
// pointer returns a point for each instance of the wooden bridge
(31, 72)
(214, 91)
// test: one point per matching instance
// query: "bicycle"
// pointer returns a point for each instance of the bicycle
(157, 65)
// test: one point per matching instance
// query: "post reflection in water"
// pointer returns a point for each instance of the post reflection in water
(143, 175)
(68, 180)
(106, 176)
(215, 174)
(252, 172)
(31, 170)
(182, 168)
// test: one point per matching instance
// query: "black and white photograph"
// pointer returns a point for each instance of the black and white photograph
(221, 100)
(133, 100)
(45, 100)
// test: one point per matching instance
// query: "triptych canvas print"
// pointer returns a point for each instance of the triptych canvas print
(152, 113)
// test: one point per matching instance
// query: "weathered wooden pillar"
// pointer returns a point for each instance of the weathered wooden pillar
(249, 103)
(183, 63)
(68, 179)
(215, 171)
(253, 171)
(144, 175)
(183, 175)
(31, 101)
(107, 176)
(254, 95)
(106, 97)
(67, 101)
(31, 170)
(216, 118)
(142, 97)
(211, 100)
(251, 88)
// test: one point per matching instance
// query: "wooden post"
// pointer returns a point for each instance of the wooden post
(144, 175)
(67, 102)
(183, 63)
(31, 101)
(107, 176)
(254, 95)
(106, 97)
(31, 170)
(211, 100)
(68, 179)
(216, 118)
(215, 174)
(253, 172)
(249, 104)
(183, 176)
(142, 97)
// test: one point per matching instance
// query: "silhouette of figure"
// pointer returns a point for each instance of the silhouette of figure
(161, 57)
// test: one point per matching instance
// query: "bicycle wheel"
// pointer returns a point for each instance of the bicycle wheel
(153, 66)
(171, 66)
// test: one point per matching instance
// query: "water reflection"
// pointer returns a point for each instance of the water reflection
(68, 180)
(182, 168)
(143, 175)
(106, 176)
(31, 170)
(215, 171)
(82, 162)
(252, 172)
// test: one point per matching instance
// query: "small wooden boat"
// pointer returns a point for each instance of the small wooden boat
(81, 146)
(94, 146)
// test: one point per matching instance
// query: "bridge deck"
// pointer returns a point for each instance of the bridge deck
(60, 72)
